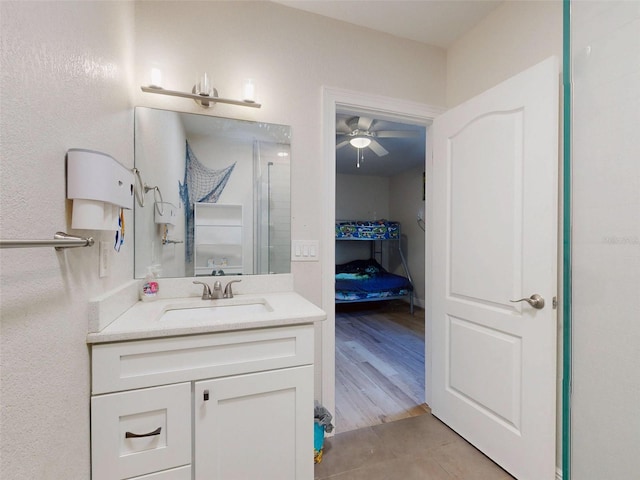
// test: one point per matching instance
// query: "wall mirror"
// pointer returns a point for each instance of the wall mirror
(213, 195)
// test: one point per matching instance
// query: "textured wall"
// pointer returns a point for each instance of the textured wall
(65, 83)
(605, 423)
(513, 37)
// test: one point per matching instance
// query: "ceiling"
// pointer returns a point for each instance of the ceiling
(404, 153)
(434, 22)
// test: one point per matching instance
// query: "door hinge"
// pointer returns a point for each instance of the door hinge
(554, 303)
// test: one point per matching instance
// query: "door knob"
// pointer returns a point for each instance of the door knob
(535, 300)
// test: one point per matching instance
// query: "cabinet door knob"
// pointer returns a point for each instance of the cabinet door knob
(140, 435)
(206, 395)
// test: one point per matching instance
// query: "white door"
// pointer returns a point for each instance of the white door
(494, 231)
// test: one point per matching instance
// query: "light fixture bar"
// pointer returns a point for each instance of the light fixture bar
(204, 100)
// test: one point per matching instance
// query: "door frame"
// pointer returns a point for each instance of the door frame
(335, 100)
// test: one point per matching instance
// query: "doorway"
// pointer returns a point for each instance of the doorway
(380, 284)
(389, 109)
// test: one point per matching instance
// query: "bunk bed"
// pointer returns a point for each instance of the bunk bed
(367, 280)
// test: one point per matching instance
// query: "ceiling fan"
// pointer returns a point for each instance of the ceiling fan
(360, 133)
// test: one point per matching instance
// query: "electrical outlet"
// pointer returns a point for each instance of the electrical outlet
(104, 259)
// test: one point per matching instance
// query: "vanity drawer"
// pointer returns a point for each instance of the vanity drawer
(143, 363)
(161, 416)
(181, 473)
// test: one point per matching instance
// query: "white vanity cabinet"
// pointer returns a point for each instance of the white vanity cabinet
(229, 405)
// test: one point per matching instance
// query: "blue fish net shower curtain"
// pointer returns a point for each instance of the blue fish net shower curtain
(201, 184)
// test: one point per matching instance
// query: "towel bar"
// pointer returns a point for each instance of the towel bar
(60, 241)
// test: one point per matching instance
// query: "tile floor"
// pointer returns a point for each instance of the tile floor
(416, 448)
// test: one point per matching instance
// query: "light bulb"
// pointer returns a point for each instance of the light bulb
(156, 78)
(249, 90)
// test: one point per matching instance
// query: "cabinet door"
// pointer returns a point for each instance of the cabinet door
(180, 473)
(255, 426)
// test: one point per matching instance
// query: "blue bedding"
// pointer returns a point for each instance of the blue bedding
(367, 280)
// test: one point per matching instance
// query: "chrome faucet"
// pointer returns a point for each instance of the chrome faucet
(209, 293)
(228, 292)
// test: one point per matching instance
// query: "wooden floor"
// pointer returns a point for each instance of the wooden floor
(379, 364)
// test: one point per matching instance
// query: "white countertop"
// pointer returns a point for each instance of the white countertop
(142, 320)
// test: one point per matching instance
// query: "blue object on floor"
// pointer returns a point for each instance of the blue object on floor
(318, 441)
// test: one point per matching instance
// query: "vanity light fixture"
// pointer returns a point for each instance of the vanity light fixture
(207, 96)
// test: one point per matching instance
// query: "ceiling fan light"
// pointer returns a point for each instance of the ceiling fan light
(360, 142)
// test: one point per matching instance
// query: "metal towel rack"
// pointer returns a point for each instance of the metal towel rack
(60, 241)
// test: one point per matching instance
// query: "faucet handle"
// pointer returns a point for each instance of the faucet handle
(228, 292)
(206, 290)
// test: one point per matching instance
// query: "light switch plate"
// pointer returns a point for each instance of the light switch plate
(104, 251)
(305, 250)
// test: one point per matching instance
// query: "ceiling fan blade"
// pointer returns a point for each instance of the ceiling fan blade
(377, 148)
(342, 144)
(342, 126)
(364, 123)
(398, 134)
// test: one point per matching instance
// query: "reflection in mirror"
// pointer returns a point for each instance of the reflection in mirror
(218, 201)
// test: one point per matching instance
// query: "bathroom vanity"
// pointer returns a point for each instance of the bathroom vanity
(186, 388)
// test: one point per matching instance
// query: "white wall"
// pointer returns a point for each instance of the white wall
(65, 82)
(513, 37)
(605, 423)
(360, 197)
(405, 193)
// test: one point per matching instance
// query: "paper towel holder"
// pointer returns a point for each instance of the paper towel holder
(100, 187)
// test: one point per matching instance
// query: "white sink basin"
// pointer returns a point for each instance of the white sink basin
(215, 310)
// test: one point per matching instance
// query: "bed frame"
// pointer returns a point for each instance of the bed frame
(374, 232)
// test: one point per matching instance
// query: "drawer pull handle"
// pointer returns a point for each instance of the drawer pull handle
(141, 435)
